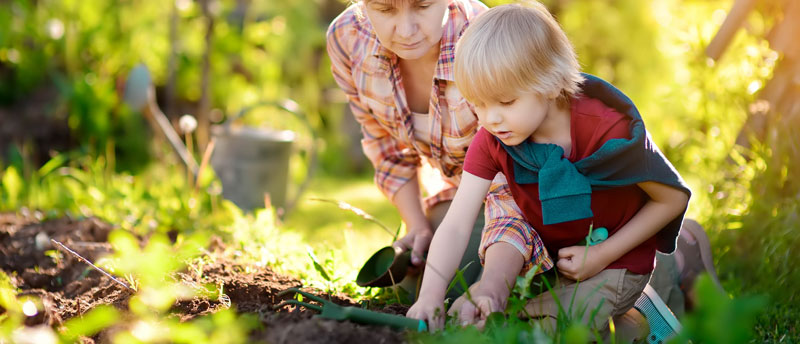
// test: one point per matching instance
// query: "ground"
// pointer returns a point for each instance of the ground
(69, 288)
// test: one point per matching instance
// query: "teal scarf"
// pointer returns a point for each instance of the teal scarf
(565, 188)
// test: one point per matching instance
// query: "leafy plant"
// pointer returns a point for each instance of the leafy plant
(11, 318)
(718, 318)
(89, 324)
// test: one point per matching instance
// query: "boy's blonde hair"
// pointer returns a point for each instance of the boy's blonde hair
(516, 48)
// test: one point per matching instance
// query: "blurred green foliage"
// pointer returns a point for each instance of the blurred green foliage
(262, 50)
(150, 206)
(718, 318)
(12, 316)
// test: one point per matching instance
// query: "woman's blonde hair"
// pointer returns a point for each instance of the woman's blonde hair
(516, 48)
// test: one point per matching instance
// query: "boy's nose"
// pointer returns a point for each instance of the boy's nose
(493, 116)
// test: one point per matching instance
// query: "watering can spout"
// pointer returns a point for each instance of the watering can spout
(140, 96)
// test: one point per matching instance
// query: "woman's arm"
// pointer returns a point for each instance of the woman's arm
(664, 205)
(419, 232)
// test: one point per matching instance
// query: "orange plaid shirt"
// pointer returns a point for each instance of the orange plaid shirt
(369, 75)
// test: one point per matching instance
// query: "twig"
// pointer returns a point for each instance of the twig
(346, 206)
(76, 255)
(206, 158)
(90, 244)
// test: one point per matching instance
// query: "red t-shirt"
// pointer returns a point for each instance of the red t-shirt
(592, 124)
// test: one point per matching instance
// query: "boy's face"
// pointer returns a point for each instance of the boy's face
(409, 28)
(515, 119)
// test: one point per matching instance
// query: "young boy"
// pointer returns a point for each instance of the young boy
(576, 155)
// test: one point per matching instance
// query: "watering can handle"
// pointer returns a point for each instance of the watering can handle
(293, 108)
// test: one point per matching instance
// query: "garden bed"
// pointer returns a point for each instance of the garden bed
(69, 288)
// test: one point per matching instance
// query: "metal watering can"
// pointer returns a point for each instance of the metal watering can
(252, 162)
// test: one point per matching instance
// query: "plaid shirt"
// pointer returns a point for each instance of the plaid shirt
(369, 75)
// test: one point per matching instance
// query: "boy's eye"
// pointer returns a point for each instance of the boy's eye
(424, 5)
(506, 103)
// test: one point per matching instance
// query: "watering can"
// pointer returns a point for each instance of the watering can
(250, 162)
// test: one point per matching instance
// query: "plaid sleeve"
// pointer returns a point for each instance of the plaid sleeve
(395, 163)
(505, 223)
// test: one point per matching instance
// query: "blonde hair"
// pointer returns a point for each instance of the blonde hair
(516, 48)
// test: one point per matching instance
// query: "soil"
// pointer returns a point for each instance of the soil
(69, 288)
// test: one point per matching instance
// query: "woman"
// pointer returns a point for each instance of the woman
(393, 59)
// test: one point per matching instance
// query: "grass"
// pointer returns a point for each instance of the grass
(329, 229)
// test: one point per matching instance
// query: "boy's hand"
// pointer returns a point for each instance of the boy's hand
(477, 310)
(418, 240)
(432, 311)
(578, 263)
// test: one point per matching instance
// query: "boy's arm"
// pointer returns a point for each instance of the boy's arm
(664, 205)
(447, 248)
(502, 266)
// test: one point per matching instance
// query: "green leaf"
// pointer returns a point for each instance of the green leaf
(576, 333)
(8, 298)
(53, 164)
(90, 323)
(317, 265)
(397, 232)
(13, 185)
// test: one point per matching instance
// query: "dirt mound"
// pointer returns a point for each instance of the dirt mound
(70, 288)
(67, 287)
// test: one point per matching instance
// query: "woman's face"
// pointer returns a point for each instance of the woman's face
(409, 28)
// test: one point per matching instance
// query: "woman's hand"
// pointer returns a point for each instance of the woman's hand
(418, 240)
(430, 310)
(579, 263)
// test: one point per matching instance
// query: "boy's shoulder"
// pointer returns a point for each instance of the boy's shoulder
(586, 106)
(594, 123)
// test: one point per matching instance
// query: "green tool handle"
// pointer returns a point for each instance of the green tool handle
(365, 316)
